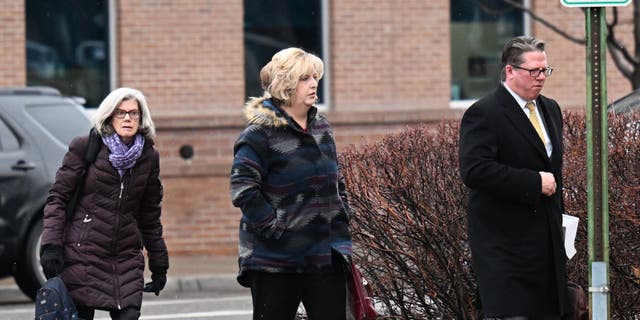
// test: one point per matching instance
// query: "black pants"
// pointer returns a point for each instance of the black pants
(131, 313)
(277, 296)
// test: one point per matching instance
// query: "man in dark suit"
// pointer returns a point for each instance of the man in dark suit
(511, 158)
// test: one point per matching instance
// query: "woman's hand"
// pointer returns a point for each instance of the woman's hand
(52, 260)
(158, 281)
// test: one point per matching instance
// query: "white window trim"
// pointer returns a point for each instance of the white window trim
(461, 104)
(527, 18)
(326, 54)
(113, 42)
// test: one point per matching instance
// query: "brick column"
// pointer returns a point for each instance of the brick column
(12, 43)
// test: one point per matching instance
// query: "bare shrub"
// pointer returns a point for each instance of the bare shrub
(409, 224)
(409, 221)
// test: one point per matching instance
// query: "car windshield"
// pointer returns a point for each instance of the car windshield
(64, 121)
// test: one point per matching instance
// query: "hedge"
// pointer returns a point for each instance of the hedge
(409, 218)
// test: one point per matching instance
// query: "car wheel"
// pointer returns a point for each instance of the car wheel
(29, 275)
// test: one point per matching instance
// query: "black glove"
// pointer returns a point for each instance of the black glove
(158, 280)
(52, 260)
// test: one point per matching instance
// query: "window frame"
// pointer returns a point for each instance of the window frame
(78, 67)
(463, 104)
(325, 52)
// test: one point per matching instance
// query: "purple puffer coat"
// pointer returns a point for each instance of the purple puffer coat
(113, 219)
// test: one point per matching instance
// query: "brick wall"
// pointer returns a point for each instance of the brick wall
(198, 216)
(390, 55)
(390, 67)
(12, 43)
(186, 56)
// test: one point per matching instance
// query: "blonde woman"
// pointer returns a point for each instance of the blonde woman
(294, 230)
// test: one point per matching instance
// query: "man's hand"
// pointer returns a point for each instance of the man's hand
(548, 183)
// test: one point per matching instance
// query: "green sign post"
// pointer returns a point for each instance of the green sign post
(597, 152)
(597, 160)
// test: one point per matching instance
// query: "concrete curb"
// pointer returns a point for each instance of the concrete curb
(204, 282)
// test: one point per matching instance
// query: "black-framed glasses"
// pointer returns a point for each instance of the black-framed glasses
(536, 72)
(133, 114)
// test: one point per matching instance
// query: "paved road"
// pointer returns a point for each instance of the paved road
(171, 304)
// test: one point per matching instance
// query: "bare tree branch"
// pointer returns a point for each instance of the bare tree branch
(535, 17)
(621, 56)
(627, 63)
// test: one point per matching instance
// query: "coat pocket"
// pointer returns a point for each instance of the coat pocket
(84, 227)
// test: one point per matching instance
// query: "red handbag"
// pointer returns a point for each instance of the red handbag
(578, 302)
(360, 291)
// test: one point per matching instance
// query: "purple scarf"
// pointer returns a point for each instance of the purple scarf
(123, 156)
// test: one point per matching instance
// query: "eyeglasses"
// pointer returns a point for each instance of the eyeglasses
(133, 114)
(536, 72)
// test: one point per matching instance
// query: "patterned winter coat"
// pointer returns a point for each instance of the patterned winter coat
(288, 185)
(113, 219)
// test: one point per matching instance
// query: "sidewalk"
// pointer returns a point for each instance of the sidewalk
(191, 274)
(202, 273)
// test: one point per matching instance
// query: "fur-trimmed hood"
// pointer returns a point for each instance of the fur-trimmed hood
(262, 111)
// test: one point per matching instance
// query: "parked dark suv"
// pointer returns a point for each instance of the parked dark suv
(36, 126)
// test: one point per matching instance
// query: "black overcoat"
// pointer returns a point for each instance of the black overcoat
(515, 232)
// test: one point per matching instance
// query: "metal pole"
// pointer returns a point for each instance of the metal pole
(597, 155)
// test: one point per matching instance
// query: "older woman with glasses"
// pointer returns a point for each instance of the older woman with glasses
(97, 249)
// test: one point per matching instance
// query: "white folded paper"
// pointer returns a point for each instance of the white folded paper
(569, 230)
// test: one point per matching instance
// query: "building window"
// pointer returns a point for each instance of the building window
(68, 47)
(479, 29)
(273, 25)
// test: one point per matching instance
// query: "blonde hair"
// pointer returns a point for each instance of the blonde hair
(280, 77)
(102, 118)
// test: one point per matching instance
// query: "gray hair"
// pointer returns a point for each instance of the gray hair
(514, 49)
(102, 118)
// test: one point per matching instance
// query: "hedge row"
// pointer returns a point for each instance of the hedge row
(409, 221)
